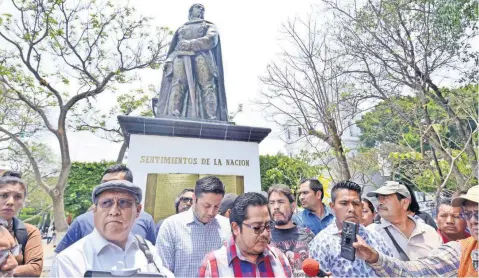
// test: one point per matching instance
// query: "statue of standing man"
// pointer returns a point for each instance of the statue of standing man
(193, 81)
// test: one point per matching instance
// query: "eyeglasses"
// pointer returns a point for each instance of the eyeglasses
(469, 215)
(259, 230)
(122, 203)
(15, 251)
(185, 200)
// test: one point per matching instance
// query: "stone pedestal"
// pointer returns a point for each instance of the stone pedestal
(167, 155)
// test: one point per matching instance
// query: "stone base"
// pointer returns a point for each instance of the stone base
(167, 155)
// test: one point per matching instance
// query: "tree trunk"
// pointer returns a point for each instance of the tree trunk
(345, 174)
(61, 224)
(121, 154)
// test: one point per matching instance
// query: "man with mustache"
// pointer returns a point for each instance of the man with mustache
(183, 202)
(248, 254)
(326, 246)
(453, 259)
(111, 245)
(407, 238)
(451, 226)
(316, 215)
(292, 240)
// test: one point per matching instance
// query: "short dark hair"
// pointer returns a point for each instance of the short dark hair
(239, 211)
(349, 185)
(12, 178)
(444, 201)
(12, 174)
(283, 189)
(370, 204)
(120, 168)
(413, 205)
(209, 184)
(314, 184)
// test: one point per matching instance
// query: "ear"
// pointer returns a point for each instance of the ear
(138, 210)
(194, 198)
(235, 228)
(293, 206)
(318, 194)
(331, 205)
(406, 203)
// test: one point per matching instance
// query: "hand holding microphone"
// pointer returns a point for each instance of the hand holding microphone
(312, 268)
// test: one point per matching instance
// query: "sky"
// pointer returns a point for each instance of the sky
(250, 34)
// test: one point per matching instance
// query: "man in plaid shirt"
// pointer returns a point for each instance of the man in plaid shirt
(248, 253)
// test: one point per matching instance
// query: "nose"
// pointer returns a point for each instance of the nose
(115, 209)
(450, 219)
(10, 200)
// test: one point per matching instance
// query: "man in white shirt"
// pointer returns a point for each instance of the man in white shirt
(111, 246)
(407, 238)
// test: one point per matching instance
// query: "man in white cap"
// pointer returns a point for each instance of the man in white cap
(111, 246)
(455, 258)
(407, 238)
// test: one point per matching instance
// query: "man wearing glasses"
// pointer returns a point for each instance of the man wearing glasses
(111, 245)
(8, 250)
(455, 258)
(182, 203)
(248, 253)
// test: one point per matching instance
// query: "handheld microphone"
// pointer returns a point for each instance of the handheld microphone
(312, 268)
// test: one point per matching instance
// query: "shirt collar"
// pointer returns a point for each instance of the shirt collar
(232, 252)
(385, 223)
(327, 211)
(99, 242)
(191, 218)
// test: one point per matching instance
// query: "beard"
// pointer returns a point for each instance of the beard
(283, 222)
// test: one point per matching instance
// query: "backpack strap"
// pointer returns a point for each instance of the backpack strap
(146, 250)
(20, 232)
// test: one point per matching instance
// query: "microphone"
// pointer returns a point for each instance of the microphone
(312, 269)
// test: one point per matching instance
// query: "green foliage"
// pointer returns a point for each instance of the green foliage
(84, 176)
(286, 170)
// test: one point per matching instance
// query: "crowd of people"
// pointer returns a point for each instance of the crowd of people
(218, 234)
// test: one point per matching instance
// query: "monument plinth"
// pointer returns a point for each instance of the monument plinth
(167, 155)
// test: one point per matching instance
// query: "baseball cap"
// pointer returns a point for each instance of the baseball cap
(390, 187)
(227, 202)
(471, 195)
(117, 185)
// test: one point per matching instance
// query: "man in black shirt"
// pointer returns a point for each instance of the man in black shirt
(292, 240)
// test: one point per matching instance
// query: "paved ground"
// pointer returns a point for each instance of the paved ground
(47, 257)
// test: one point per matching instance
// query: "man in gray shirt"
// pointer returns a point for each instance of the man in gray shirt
(185, 238)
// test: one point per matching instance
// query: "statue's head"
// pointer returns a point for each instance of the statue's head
(196, 11)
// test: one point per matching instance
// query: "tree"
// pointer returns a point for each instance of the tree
(56, 54)
(404, 48)
(84, 176)
(306, 88)
(286, 170)
(91, 118)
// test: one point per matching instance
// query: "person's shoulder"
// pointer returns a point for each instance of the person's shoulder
(31, 230)
(75, 250)
(145, 216)
(373, 227)
(222, 220)
(426, 227)
(85, 217)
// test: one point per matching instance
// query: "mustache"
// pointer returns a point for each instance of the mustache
(382, 207)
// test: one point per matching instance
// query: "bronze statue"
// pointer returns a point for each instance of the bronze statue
(193, 82)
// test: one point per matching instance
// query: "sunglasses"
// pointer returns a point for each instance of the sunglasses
(15, 251)
(121, 203)
(469, 215)
(185, 200)
(260, 229)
